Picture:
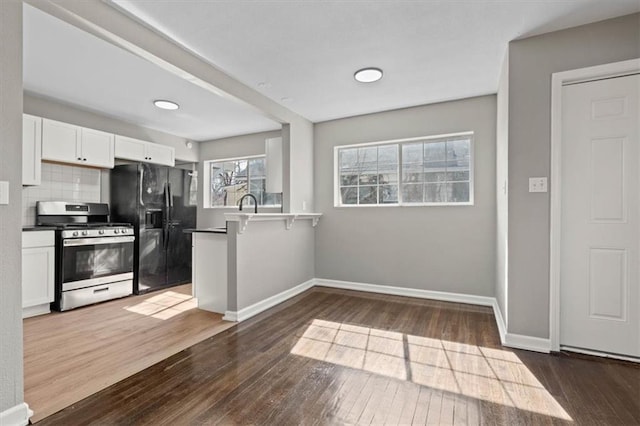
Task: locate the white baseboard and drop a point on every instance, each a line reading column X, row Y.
column 519, row 341
column 408, row 292
column 502, row 326
column 32, row 311
column 16, row 416
column 265, row 304
column 507, row 339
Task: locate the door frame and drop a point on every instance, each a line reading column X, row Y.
column 559, row 79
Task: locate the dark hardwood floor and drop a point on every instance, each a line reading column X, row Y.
column 341, row 357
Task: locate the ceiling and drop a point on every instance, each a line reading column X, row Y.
column 300, row 53
column 67, row 64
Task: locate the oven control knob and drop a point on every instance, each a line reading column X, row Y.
column 84, row 232
column 75, row 233
column 124, row 231
column 101, row 231
column 116, row 231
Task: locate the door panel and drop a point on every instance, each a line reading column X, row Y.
column 599, row 289
column 97, row 148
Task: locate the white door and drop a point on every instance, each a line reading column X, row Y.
column 599, row 289
column 60, row 141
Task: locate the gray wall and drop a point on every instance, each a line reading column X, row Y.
column 55, row 110
column 531, row 63
column 502, row 195
column 267, row 259
column 238, row 146
column 11, row 380
column 433, row 248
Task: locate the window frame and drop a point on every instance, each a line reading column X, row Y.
column 337, row 199
column 206, row 194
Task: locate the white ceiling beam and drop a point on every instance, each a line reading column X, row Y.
column 109, row 24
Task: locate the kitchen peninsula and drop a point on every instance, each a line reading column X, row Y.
column 257, row 261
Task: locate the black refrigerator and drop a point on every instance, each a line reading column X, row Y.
column 160, row 202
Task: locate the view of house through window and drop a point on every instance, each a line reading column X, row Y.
column 231, row 179
column 429, row 171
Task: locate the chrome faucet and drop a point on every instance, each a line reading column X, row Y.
column 255, row 201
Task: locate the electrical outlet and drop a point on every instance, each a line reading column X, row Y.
column 4, row 192
column 538, row 184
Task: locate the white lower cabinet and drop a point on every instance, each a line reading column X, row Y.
column 38, row 272
column 209, row 271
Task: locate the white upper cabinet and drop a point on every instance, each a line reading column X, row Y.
column 31, row 149
column 68, row 143
column 137, row 150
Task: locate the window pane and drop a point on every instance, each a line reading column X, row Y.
column 349, row 195
column 368, row 195
column 412, row 193
column 434, row 154
column 456, row 176
column 458, row 192
column 412, row 172
column 388, row 194
column 430, row 176
column 368, row 178
column 348, row 179
column 390, row 177
column 272, row 199
column 256, row 168
column 412, row 153
column 435, row 193
column 348, row 158
column 256, row 187
column 388, row 156
column 241, row 168
column 458, row 153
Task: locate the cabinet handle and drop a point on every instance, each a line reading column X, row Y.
column 84, row 159
column 79, row 158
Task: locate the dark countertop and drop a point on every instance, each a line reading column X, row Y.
column 207, row 230
column 38, row 228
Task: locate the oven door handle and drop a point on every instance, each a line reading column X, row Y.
column 97, row 241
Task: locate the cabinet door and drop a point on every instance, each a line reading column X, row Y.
column 130, row 149
column 60, row 142
column 97, row 148
column 161, row 154
column 37, row 276
column 31, row 149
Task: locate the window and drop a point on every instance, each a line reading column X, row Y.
column 421, row 171
column 231, row 179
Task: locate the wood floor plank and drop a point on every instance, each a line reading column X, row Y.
column 71, row 355
column 342, row 357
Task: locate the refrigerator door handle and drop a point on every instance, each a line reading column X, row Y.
column 165, row 219
column 170, row 195
column 141, row 189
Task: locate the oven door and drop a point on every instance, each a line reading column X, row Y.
column 94, row 261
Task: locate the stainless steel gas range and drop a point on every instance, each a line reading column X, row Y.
column 94, row 257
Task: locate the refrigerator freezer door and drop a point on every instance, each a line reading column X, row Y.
column 182, row 216
column 152, row 263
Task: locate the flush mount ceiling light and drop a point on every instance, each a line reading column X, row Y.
column 163, row 104
column 368, row 75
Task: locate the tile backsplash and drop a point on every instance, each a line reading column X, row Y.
column 61, row 183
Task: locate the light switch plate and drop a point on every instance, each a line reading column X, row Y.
column 538, row 184
column 4, row 192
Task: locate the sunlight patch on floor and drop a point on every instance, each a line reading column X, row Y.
column 164, row 305
column 492, row 375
